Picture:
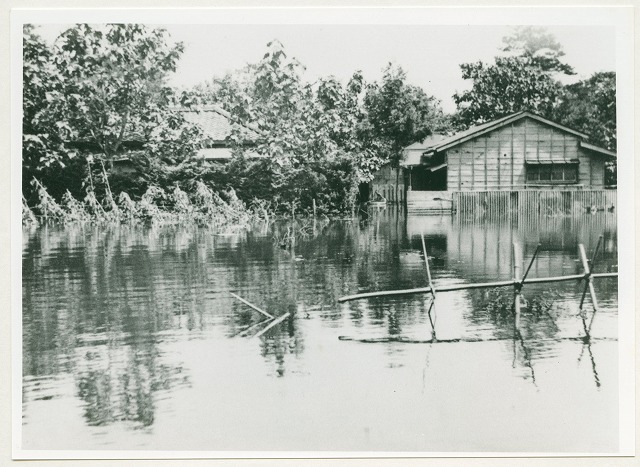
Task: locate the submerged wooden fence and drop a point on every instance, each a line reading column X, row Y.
column 517, row 282
column 534, row 201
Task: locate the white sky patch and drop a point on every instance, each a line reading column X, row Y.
column 430, row 54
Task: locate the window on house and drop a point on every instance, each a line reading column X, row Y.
column 552, row 173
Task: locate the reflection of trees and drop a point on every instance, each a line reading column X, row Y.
column 99, row 301
column 83, row 313
column 122, row 385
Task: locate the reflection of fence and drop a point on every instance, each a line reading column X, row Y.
column 533, row 201
column 517, row 282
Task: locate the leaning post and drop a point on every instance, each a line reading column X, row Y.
column 517, row 282
column 587, row 277
column 432, row 289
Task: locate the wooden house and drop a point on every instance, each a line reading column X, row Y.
column 216, row 125
column 519, row 152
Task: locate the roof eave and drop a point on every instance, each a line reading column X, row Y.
column 598, row 149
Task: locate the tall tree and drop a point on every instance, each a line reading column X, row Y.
column 102, row 87
column 111, row 84
column 310, row 131
column 509, row 85
column 400, row 114
column 590, row 106
column 538, row 45
column 42, row 140
column 526, row 78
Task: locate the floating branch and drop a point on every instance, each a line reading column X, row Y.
column 409, row 340
column 273, row 323
column 270, row 316
column 246, row 330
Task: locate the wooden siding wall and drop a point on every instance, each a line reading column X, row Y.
column 496, row 160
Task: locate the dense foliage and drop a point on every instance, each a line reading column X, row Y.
column 100, row 93
column 509, row 85
column 590, row 105
column 95, row 91
column 319, row 140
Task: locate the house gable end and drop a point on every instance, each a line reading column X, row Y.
column 489, row 127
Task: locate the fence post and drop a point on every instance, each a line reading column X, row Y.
column 587, row 275
column 517, row 284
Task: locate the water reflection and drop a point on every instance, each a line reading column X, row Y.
column 112, row 306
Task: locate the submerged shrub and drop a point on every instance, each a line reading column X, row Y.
column 181, row 203
column 127, row 207
column 28, row 217
column 204, row 206
column 74, row 209
column 48, row 208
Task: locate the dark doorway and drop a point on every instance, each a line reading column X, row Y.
column 424, row 179
column 363, row 192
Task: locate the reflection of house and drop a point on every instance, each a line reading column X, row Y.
column 479, row 250
column 518, row 152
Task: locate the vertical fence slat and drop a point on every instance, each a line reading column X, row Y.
column 528, row 203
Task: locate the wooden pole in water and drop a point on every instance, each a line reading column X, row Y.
column 252, row 305
column 587, row 276
column 482, row 285
column 517, row 283
column 273, row 323
column 433, row 291
column 426, row 263
column 533, row 258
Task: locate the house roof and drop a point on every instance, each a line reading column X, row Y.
column 427, row 143
column 416, row 152
column 599, row 150
column 217, row 124
column 223, row 154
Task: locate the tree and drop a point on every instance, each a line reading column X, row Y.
column 42, row 144
column 510, row 85
column 310, row 132
column 539, row 46
column 111, row 85
column 400, row 114
column 100, row 88
column 524, row 79
column 590, row 106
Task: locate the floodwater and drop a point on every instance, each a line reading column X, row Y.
column 132, row 340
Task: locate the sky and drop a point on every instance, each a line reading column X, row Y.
column 430, row 54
